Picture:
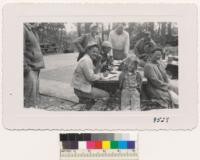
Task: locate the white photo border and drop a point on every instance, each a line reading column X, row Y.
column 14, row 115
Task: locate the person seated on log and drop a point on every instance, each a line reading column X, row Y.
column 84, row 76
column 105, row 60
column 158, row 86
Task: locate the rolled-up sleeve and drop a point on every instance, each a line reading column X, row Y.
column 88, row 71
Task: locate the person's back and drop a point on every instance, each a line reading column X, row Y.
column 32, row 52
column 33, row 62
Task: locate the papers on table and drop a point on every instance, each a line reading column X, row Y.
column 113, row 76
column 117, row 62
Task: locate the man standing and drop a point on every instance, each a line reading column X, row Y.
column 119, row 39
column 82, row 41
column 144, row 46
column 33, row 62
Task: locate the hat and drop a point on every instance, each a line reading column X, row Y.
column 106, row 44
column 91, row 44
column 93, row 25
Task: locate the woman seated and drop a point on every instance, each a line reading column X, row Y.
column 158, row 85
column 84, row 75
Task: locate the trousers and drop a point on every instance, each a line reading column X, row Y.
column 130, row 100
column 31, row 89
column 94, row 94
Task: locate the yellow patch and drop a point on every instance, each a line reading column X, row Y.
column 106, row 145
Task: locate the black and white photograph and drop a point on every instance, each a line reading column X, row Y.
column 98, row 66
column 91, row 64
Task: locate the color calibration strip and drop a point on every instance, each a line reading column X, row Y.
column 99, row 146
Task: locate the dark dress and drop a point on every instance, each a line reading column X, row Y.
column 157, row 84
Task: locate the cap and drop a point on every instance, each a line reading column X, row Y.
column 106, row 44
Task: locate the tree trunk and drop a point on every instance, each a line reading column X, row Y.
column 79, row 29
column 87, row 27
column 169, row 29
column 102, row 32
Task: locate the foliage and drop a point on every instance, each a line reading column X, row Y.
column 162, row 33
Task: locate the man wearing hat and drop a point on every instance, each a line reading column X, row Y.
column 144, row 46
column 120, row 41
column 84, row 76
column 106, row 57
column 82, row 41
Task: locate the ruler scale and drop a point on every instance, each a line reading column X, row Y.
column 95, row 146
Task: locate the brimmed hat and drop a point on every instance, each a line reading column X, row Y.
column 106, row 44
column 91, row 44
column 93, row 25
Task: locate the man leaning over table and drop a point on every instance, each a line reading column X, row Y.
column 84, row 76
column 120, row 41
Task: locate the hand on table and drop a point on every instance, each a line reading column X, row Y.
column 105, row 74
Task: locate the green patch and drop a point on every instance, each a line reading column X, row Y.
column 114, row 145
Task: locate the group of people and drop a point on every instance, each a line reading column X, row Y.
column 95, row 58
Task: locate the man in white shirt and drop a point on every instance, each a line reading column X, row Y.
column 120, row 41
column 84, row 76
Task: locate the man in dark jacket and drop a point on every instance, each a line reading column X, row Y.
column 33, row 62
column 82, row 41
column 144, row 46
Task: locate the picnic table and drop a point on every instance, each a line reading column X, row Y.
column 111, row 82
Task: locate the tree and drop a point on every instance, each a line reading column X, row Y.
column 79, row 29
column 87, row 27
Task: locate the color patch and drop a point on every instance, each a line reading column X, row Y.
column 114, row 144
column 72, row 137
column 66, row 144
column 82, row 145
column 122, row 145
column 70, row 144
column 117, row 137
column 74, row 144
column 98, row 145
column 105, row 144
column 131, row 144
column 87, row 137
column 90, row 145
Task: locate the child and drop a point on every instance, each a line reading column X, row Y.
column 130, row 84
